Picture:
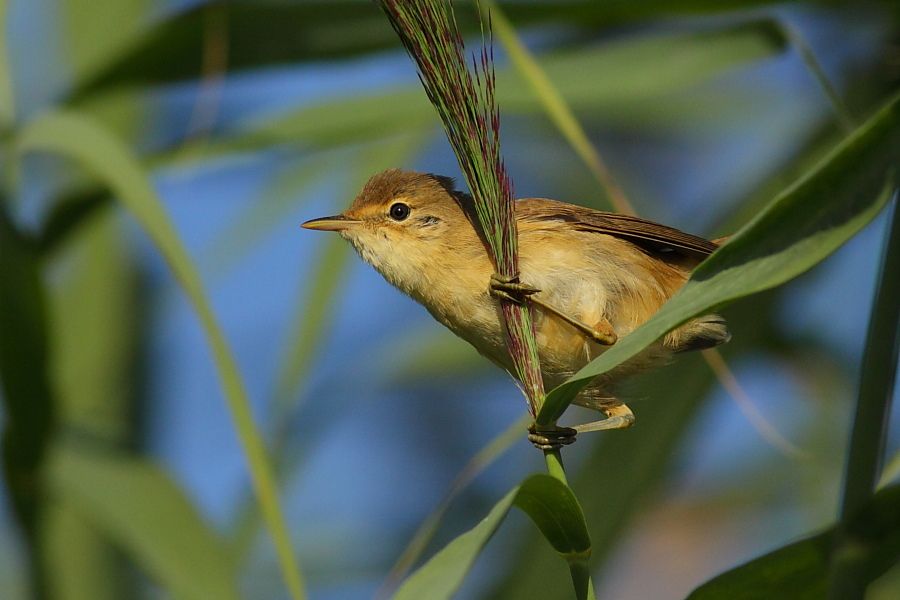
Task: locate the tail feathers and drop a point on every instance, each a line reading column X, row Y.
column 701, row 334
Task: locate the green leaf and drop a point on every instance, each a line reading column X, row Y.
column 29, row 405
column 550, row 504
column 140, row 508
column 7, row 106
column 799, row 229
column 628, row 77
column 71, row 135
column 800, row 570
column 86, row 38
column 94, row 295
column 484, row 458
column 173, row 50
column 873, row 409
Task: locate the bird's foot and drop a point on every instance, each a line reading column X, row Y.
column 510, row 289
column 551, row 438
column 618, row 416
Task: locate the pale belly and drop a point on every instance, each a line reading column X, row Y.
column 563, row 349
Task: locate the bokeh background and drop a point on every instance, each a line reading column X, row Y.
column 251, row 117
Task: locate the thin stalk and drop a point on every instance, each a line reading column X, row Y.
column 870, row 424
column 578, row 566
column 556, row 107
column 424, row 534
column 840, row 109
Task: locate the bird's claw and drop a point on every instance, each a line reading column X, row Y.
column 510, row 289
column 549, row 439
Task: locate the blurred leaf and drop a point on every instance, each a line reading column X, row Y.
column 872, row 415
column 799, row 229
column 427, row 353
column 800, row 570
column 88, row 40
column 75, row 137
column 95, row 313
column 80, row 562
column 550, row 504
column 484, row 458
column 28, row 403
column 7, row 107
column 68, row 214
column 631, row 79
column 139, row 507
column 314, row 315
column 279, row 200
column 258, row 34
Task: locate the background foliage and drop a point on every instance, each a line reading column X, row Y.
column 220, row 126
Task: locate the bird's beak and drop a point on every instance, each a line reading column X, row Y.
column 335, row 223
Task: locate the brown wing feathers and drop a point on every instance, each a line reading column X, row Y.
column 645, row 234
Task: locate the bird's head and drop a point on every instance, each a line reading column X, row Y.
column 403, row 222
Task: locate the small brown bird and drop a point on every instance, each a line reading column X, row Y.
column 590, row 276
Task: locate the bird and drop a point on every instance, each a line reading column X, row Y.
column 590, row 278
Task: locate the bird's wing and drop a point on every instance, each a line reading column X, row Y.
column 650, row 236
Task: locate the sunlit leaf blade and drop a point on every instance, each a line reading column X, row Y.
column 141, row 509
column 800, row 570
column 547, row 501
column 800, row 228
column 70, row 135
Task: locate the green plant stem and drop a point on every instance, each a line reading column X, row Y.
column 870, row 423
column 555, row 465
column 578, row 566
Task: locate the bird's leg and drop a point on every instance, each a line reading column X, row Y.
column 602, row 333
column 509, row 288
column 618, row 416
column 550, row 438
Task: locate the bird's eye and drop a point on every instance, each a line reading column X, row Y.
column 399, row 211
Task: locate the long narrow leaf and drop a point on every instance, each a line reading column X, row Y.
column 627, row 76
column 552, row 507
column 873, row 410
column 799, row 229
column 324, row 29
column 799, row 571
column 75, row 137
column 7, row 108
column 429, row 527
column 141, row 509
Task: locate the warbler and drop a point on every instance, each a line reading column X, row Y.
column 589, row 276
